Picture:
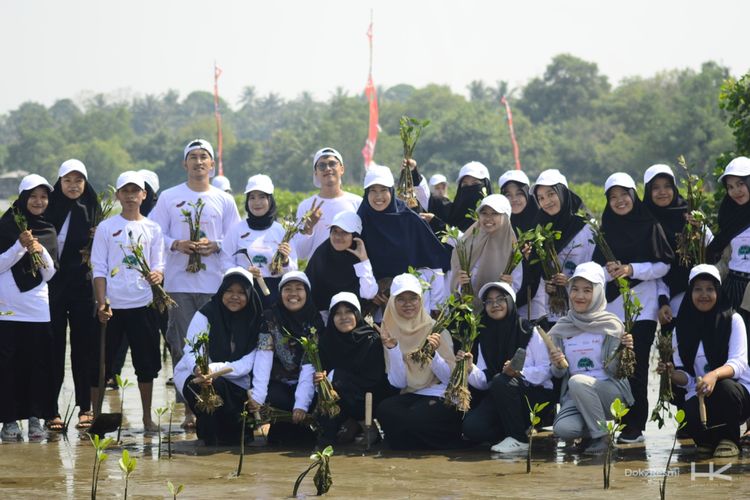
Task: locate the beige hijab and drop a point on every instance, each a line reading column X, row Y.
column 596, row 319
column 489, row 256
column 410, row 333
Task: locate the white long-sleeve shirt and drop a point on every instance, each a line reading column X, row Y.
column 31, row 305
column 258, row 362
column 112, row 254
column 398, row 379
column 650, row 273
column 368, row 287
column 261, row 245
column 736, row 357
column 329, row 209
column 219, row 216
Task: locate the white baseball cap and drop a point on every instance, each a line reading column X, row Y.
column 474, row 169
column 321, row 153
column 405, row 283
column 198, row 144
column 239, row 271
column 704, row 269
column 590, row 271
column 294, row 276
column 348, row 221
column 31, row 181
column 496, row 202
column 658, row 169
column 551, row 177
column 515, row 176
column 620, row 179
column 437, row 179
column 222, row 183
column 347, row 297
column 72, row 165
column 379, row 174
column 739, row 167
column 498, row 284
column 130, row 177
column 259, row 182
column 151, row 179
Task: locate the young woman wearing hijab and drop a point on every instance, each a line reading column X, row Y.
column 643, row 257
column 290, row 387
column 491, row 240
column 352, row 357
column 152, row 191
column 341, row 264
column 473, row 184
column 397, row 238
column 233, row 319
column 588, row 338
column 73, row 209
column 417, row 418
column 502, row 415
column 253, row 242
column 710, row 343
column 515, row 185
column 560, row 207
column 25, row 347
column 439, row 205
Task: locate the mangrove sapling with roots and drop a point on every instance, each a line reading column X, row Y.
column 543, row 241
column 457, row 391
column 127, row 466
column 534, row 419
column 37, row 262
column 632, row 308
column 323, row 478
column 123, row 384
column 680, row 420
column 193, row 220
column 448, row 313
column 99, row 446
column 243, row 415
column 618, row 410
column 136, row 260
column 410, row 129
column 691, row 243
column 291, row 226
column 207, row 401
column 663, row 405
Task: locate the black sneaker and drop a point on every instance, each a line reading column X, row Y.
column 629, row 436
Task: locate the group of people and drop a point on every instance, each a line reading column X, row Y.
column 376, row 273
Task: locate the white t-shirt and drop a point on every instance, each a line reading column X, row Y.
column 584, row 354
column 740, row 257
column 331, row 206
column 112, row 255
column 31, row 305
column 219, row 216
column 579, row 249
column 260, row 244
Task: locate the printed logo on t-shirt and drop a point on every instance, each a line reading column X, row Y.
column 744, row 251
column 117, row 233
column 130, row 261
column 585, row 364
column 260, row 260
column 245, row 235
column 569, row 266
column 180, row 204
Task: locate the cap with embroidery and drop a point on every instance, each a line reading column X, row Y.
column 198, row 144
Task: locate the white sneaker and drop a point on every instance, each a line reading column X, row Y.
column 510, row 445
column 36, row 431
column 11, row 432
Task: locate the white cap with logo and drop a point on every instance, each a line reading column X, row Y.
column 72, row 165
column 33, row 180
column 130, row 177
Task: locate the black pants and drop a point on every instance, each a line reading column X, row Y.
column 223, row 427
column 729, row 405
column 412, row 422
column 25, row 352
column 139, row 326
column 643, row 337
column 504, row 412
column 281, row 396
column 122, row 351
column 78, row 312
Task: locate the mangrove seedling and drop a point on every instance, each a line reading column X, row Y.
column 193, row 220
column 457, row 391
column 534, row 418
column 127, row 466
column 175, row 490
column 242, row 439
column 169, row 431
column 123, row 384
column 680, row 420
column 159, row 412
column 618, row 409
column 99, row 446
column 665, row 350
column 322, row 479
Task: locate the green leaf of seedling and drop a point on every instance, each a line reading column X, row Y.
column 328, row 451
column 536, row 420
column 114, row 272
column 540, row 406
column 679, row 416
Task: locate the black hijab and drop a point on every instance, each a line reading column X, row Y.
column 264, row 221
column 397, row 238
column 672, row 220
column 499, row 339
column 733, row 219
column 40, row 228
column 359, row 352
column 83, row 212
column 566, row 220
column 523, row 222
column 440, row 206
column 331, row 272
column 713, row 328
column 634, row 237
column 298, row 324
column 233, row 334
column 526, row 219
column 467, row 198
column 150, row 202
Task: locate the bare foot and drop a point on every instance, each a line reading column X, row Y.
column 149, row 425
column 189, row 423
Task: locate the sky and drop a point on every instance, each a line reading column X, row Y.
column 75, row 49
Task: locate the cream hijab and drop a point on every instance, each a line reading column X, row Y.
column 410, row 333
column 594, row 320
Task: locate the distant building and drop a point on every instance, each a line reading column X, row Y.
column 9, row 186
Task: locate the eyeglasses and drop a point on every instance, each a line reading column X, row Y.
column 323, row 165
column 496, row 302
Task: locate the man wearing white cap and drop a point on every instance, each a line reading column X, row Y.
column 222, row 183
column 328, row 169
column 191, row 290
column 123, row 296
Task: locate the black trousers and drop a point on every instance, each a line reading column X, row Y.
column 78, row 312
column 412, row 422
column 504, row 412
column 727, row 407
column 643, row 337
column 139, row 325
column 122, row 351
column 281, row 396
column 25, row 352
column 223, row 427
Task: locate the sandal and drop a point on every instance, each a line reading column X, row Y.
column 745, row 440
column 85, row 418
column 726, row 448
column 54, row 424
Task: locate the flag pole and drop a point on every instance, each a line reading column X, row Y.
column 368, row 152
column 217, row 114
column 509, row 115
